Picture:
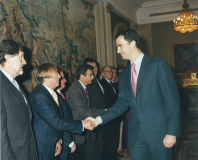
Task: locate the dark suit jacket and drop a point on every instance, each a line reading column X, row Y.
column 80, row 105
column 111, row 95
column 98, row 99
column 48, row 122
column 17, row 139
column 156, row 106
column 68, row 137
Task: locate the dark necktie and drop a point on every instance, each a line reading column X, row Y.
column 63, row 96
column 86, row 91
column 111, row 84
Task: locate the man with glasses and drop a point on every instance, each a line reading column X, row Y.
column 78, row 98
column 111, row 129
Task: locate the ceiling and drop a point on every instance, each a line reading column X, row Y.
column 150, row 11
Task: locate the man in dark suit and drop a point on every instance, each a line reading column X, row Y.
column 78, row 98
column 48, row 120
column 148, row 87
column 68, row 138
column 111, row 129
column 98, row 100
column 17, row 139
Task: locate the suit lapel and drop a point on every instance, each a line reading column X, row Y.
column 143, row 71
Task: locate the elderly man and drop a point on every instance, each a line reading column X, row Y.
column 17, row 139
column 48, row 120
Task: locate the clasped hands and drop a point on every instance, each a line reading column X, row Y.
column 90, row 123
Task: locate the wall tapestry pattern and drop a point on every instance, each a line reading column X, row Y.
column 61, row 32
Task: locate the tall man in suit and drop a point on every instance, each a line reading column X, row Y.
column 111, row 130
column 48, row 120
column 78, row 98
column 68, row 141
column 98, row 100
column 17, row 139
column 147, row 85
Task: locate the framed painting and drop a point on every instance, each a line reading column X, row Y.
column 185, row 57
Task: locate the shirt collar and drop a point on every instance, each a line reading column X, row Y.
column 49, row 89
column 138, row 61
column 7, row 75
column 58, row 91
column 107, row 80
column 84, row 87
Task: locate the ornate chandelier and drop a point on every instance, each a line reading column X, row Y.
column 186, row 22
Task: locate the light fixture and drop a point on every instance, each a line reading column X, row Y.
column 186, row 22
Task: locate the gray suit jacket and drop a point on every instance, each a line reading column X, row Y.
column 80, row 105
column 17, row 139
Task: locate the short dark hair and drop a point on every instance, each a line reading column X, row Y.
column 11, row 47
column 129, row 35
column 103, row 68
column 46, row 70
column 82, row 69
column 89, row 60
column 112, row 67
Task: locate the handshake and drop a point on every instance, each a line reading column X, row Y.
column 90, row 123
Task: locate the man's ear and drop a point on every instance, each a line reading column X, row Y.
column 133, row 43
column 103, row 74
column 7, row 57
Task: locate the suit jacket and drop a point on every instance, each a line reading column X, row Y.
column 48, row 122
column 111, row 95
column 156, row 106
column 98, row 99
column 17, row 139
column 68, row 137
column 80, row 105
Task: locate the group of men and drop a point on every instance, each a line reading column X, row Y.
column 146, row 86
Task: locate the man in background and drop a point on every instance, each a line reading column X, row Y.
column 78, row 98
column 17, row 139
column 68, row 141
column 98, row 100
column 111, row 130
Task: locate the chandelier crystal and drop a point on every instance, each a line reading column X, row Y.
column 186, row 22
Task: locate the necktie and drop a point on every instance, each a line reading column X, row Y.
column 63, row 96
column 86, row 91
column 134, row 78
column 111, row 84
column 55, row 97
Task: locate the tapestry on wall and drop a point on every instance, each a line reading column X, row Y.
column 61, row 32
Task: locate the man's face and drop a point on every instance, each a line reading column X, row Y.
column 62, row 81
column 16, row 63
column 95, row 67
column 89, row 77
column 124, row 48
column 107, row 73
column 114, row 74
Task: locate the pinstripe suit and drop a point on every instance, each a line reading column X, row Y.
column 48, row 122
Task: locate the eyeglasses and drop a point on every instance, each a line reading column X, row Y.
column 108, row 71
column 90, row 74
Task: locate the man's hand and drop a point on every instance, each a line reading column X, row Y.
column 169, row 141
column 73, row 148
column 89, row 124
column 95, row 120
column 58, row 148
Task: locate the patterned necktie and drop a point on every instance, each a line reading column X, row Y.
column 134, row 78
column 86, row 91
column 63, row 96
column 55, row 97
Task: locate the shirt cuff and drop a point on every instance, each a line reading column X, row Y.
column 71, row 144
column 99, row 119
column 83, row 126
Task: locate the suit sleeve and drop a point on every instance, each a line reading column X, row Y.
column 120, row 106
column 80, row 110
column 6, row 149
column 42, row 106
column 171, row 98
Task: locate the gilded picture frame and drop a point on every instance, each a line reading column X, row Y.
column 185, row 57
